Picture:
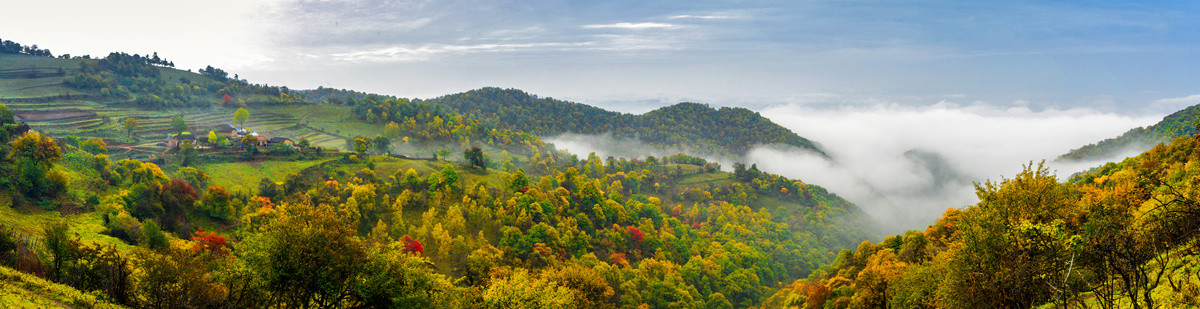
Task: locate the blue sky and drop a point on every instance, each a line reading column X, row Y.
column 633, row 55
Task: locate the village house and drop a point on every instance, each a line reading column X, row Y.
column 177, row 140
column 281, row 140
column 228, row 130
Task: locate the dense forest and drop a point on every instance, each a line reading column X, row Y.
column 1121, row 236
column 1177, row 124
column 684, row 125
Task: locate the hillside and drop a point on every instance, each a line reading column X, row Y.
column 1178, row 124
column 402, row 221
column 684, row 125
column 1123, row 235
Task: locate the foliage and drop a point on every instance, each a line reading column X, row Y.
column 1112, row 237
column 730, row 130
column 1177, row 124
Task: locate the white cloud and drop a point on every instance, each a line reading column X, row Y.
column 634, row 26
column 906, row 165
column 426, row 52
column 686, row 16
column 1169, row 105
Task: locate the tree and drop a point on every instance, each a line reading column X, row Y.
column 519, row 181
column 213, row 138
column 474, row 157
column 227, row 99
column 382, row 144
column 240, row 117
column 309, row 257
column 187, row 154
column 392, row 129
column 131, row 125
column 304, row 143
column 217, row 203
column 178, row 125
column 249, row 143
column 153, row 236
column 39, row 149
column 94, row 146
column 361, row 146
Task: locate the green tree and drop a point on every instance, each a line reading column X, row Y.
column 240, row 117
column 309, row 257
column 474, row 156
column 178, row 125
column 153, row 236
column 519, row 181
column 382, row 144
column 188, row 154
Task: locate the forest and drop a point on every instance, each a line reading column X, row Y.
column 1175, row 125
column 684, row 125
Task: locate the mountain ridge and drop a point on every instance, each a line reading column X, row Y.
column 727, row 129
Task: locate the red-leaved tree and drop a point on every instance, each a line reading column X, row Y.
column 412, row 245
column 634, row 233
column 211, row 242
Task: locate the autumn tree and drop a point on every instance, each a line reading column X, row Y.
column 130, row 125
column 240, row 117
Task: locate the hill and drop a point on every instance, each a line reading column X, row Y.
column 402, row 221
column 1178, row 124
column 684, row 125
column 1123, row 235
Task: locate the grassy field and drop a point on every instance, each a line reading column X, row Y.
column 33, row 222
column 244, row 176
column 21, row 290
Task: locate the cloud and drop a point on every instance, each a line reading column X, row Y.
column 426, row 52
column 633, row 26
column 604, row 145
column 685, row 16
column 1169, row 105
column 906, row 165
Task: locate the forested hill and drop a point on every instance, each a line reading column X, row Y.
column 1175, row 125
column 688, row 125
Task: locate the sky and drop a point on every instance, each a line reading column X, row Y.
column 910, row 96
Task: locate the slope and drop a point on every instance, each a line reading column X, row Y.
column 1177, row 124
column 684, row 125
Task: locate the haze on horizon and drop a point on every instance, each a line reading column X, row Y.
column 984, row 86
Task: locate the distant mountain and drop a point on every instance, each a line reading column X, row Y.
column 1178, row 124
column 692, row 125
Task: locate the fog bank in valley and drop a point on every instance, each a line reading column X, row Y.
column 905, row 165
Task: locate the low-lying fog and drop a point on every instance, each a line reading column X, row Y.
column 906, row 165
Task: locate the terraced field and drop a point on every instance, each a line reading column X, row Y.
column 33, row 88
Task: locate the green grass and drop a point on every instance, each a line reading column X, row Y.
column 244, row 176
column 88, row 226
column 21, row 290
